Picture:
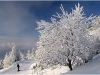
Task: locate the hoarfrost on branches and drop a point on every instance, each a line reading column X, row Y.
column 64, row 40
column 12, row 57
column 30, row 54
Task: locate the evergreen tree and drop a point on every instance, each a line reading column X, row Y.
column 7, row 60
column 1, row 64
column 15, row 55
column 22, row 55
column 11, row 57
column 33, row 53
column 28, row 55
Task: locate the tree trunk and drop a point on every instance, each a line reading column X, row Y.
column 69, row 64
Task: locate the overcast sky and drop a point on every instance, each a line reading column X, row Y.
column 18, row 18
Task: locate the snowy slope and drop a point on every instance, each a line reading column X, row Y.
column 92, row 67
column 24, row 67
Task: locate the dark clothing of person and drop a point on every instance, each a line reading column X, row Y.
column 18, row 67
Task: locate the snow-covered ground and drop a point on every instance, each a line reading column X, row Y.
column 92, row 67
column 24, row 67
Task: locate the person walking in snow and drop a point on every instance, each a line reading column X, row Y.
column 18, row 67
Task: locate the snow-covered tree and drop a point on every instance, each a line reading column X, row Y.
column 22, row 55
column 33, row 53
column 95, row 31
column 96, row 21
column 11, row 57
column 28, row 55
column 18, row 55
column 96, row 46
column 64, row 40
column 1, row 64
column 7, row 60
column 15, row 55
